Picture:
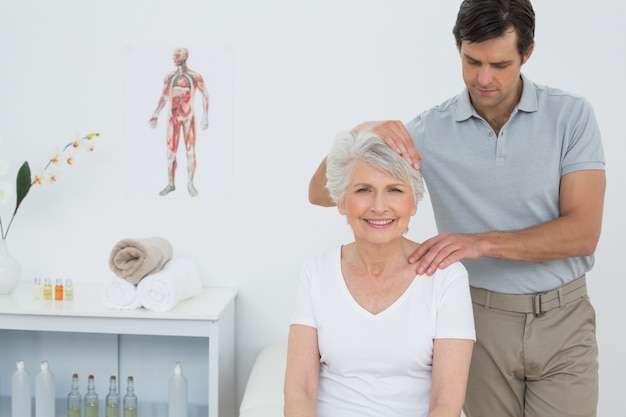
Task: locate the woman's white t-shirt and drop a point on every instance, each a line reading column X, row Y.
column 380, row 364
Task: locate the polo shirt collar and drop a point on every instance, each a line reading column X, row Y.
column 527, row 103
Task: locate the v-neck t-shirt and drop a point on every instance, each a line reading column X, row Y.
column 379, row 364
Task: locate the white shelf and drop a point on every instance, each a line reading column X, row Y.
column 209, row 315
column 144, row 409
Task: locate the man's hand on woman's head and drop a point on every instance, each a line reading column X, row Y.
column 394, row 133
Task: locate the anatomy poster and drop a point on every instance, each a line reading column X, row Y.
column 178, row 121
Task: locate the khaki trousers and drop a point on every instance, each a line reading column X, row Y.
column 528, row 366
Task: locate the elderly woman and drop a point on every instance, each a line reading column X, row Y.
column 369, row 337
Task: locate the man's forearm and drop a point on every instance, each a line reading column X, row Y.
column 558, row 239
column 574, row 233
column 318, row 194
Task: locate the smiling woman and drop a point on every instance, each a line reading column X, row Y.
column 368, row 148
column 357, row 300
column 375, row 201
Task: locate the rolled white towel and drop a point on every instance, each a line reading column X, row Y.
column 120, row 294
column 177, row 281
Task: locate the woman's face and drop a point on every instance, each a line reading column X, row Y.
column 377, row 205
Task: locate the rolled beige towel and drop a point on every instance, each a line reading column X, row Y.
column 133, row 259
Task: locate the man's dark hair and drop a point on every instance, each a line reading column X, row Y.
column 481, row 20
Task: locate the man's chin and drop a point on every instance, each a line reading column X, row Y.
column 484, row 100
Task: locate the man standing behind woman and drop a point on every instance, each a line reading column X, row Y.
column 369, row 337
column 516, row 177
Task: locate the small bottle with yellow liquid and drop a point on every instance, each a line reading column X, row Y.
column 69, row 290
column 91, row 398
column 130, row 399
column 37, row 289
column 47, row 290
column 74, row 399
column 112, row 400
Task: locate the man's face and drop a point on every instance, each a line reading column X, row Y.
column 491, row 72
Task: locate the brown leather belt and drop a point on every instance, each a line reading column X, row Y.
column 537, row 303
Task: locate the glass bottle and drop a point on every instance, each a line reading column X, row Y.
column 69, row 290
column 47, row 290
column 45, row 399
column 91, row 398
column 130, row 399
column 58, row 290
column 38, row 289
column 112, row 400
column 20, row 392
column 74, row 399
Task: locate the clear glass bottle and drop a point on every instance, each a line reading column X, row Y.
column 37, row 289
column 74, row 399
column 177, row 404
column 45, row 399
column 47, row 290
column 20, row 392
column 69, row 290
column 112, row 400
column 91, row 398
column 130, row 399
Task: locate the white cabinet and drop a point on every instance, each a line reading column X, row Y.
column 139, row 342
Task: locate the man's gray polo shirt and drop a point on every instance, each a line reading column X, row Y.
column 479, row 181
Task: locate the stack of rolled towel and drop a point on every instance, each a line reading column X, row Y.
column 147, row 276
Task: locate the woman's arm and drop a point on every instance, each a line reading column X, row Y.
column 451, row 361
column 303, row 371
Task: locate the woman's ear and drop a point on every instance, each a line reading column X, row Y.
column 341, row 207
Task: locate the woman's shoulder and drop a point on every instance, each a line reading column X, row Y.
column 329, row 257
column 453, row 272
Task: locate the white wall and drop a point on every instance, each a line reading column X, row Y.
column 302, row 72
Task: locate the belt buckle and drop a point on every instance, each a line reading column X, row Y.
column 537, row 310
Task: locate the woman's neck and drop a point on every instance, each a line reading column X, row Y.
column 376, row 259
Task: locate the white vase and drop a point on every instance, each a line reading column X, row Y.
column 10, row 270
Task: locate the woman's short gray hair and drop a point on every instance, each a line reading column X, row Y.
column 367, row 147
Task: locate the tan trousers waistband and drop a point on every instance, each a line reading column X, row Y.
column 537, row 303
